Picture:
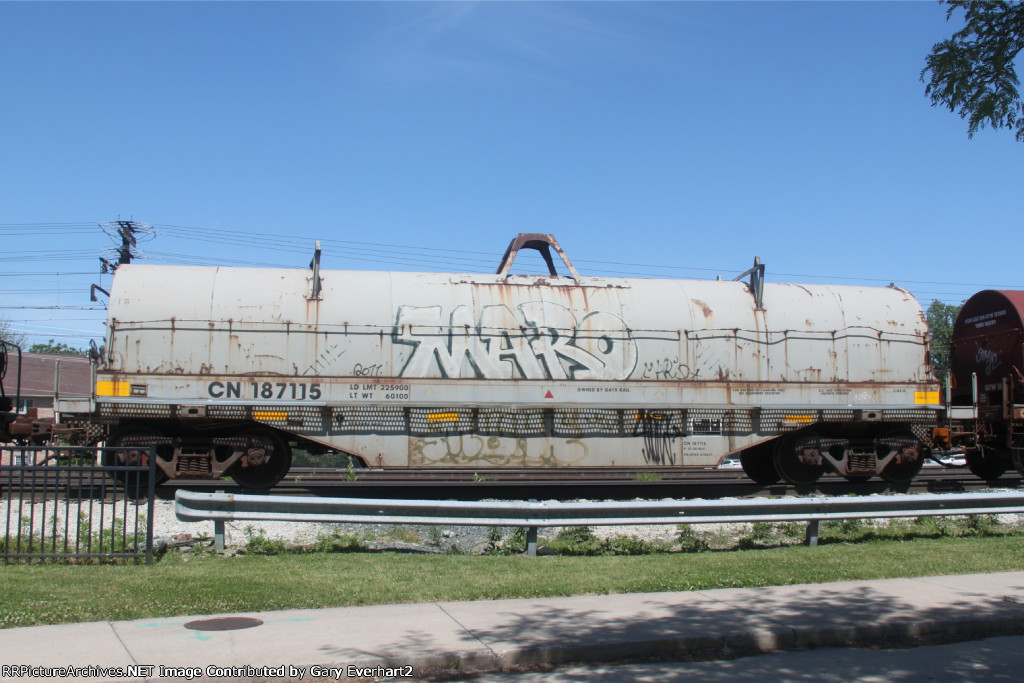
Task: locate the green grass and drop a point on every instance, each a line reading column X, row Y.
column 202, row 583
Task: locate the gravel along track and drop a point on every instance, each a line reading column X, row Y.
column 166, row 526
column 407, row 538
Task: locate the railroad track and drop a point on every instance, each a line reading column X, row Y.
column 599, row 483
column 524, row 484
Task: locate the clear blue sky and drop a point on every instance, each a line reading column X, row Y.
column 667, row 139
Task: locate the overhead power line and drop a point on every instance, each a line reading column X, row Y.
column 408, row 254
column 54, row 308
column 128, row 235
column 37, row 273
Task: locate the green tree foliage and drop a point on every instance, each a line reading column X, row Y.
column 56, row 347
column 972, row 73
column 940, row 321
column 8, row 334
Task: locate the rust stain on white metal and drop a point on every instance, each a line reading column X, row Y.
column 517, row 329
column 704, row 308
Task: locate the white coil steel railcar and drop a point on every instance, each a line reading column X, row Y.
column 224, row 367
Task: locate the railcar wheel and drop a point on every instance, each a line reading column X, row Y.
column 986, row 463
column 138, row 441
column 792, row 462
column 759, row 465
column 266, row 461
column 900, row 471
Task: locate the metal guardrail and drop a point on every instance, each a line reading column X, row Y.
column 221, row 507
column 58, row 504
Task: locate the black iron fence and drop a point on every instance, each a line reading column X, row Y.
column 68, row 504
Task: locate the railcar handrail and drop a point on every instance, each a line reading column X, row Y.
column 221, row 507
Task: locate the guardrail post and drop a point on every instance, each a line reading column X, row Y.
column 811, row 537
column 150, row 502
column 531, row 541
column 218, row 533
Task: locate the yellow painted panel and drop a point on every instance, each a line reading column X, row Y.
column 104, row 388
column 926, row 397
column 270, row 415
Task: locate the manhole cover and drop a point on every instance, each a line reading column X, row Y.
column 223, row 624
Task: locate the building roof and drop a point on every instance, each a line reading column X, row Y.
column 37, row 375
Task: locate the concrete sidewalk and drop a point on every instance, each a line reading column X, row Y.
column 393, row 642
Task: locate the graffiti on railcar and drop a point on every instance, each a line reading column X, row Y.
column 496, row 451
column 669, row 368
column 987, row 358
column 536, row 340
column 325, row 359
column 660, row 436
column 703, row 365
column 368, row 370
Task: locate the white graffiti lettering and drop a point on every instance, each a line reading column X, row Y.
column 538, row 340
column 988, row 358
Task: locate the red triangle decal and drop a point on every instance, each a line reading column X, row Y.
column 548, row 395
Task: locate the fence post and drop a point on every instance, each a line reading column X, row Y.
column 811, row 537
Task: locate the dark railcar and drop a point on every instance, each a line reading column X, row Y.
column 987, row 384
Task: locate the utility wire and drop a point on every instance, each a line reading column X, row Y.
column 407, row 256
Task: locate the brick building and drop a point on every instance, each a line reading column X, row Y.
column 38, row 374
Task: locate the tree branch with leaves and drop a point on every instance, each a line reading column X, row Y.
column 59, row 348
column 973, row 73
column 941, row 318
column 9, row 334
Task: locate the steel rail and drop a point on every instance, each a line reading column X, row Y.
column 706, row 484
column 588, row 477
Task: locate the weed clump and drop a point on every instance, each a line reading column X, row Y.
column 336, row 542
column 690, row 541
column 257, row 542
column 966, row 526
column 581, row 540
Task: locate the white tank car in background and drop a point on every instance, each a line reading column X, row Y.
column 224, row 367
